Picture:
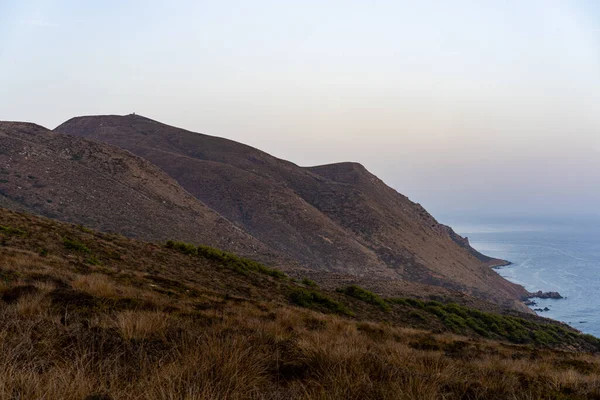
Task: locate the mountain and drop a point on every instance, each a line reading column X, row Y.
column 109, row 189
column 336, row 218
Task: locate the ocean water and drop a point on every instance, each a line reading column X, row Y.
column 562, row 256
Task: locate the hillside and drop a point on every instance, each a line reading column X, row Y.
column 87, row 315
column 106, row 188
column 336, row 218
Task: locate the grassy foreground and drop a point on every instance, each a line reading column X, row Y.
column 85, row 315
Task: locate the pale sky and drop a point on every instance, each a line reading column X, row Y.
column 464, row 106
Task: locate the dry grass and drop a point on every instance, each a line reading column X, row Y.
column 195, row 331
column 271, row 352
column 95, row 284
column 141, row 325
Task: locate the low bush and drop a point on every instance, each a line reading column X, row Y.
column 229, row 260
column 364, row 295
column 465, row 320
column 9, row 230
column 315, row 300
column 72, row 244
column 309, row 283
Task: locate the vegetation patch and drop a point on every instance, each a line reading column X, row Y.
column 315, row 300
column 72, row 244
column 238, row 264
column 364, row 295
column 309, row 283
column 464, row 320
column 9, row 230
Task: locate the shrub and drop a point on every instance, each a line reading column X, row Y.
column 417, row 315
column 438, row 311
column 416, row 303
column 92, row 260
column 229, row 260
column 400, row 302
column 72, row 244
column 315, row 300
column 364, row 295
column 185, row 248
column 310, row 283
column 9, row 230
column 460, row 319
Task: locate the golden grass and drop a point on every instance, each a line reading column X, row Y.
column 69, row 330
column 253, row 353
column 95, row 284
column 31, row 305
column 142, row 325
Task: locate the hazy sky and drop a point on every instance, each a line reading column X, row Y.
column 464, row 106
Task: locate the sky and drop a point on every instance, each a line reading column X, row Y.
column 467, row 107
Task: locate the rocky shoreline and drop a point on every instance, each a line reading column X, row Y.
column 544, row 295
column 502, row 263
column 527, row 300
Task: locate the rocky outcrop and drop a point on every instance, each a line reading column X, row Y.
column 544, row 295
column 541, row 309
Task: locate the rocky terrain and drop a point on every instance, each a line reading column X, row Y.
column 332, row 218
column 106, row 188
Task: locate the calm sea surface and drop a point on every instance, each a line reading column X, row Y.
column 553, row 256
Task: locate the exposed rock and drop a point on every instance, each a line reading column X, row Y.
column 544, row 295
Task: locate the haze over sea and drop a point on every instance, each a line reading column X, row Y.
column 547, row 254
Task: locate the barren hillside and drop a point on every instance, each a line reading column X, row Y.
column 104, row 187
column 337, row 218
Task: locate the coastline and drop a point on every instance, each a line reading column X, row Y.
column 527, row 299
column 497, row 263
column 551, row 259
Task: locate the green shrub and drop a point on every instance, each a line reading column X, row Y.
column 438, row 311
column 455, row 322
column 72, row 244
column 416, row 303
column 229, row 260
column 456, row 309
column 417, row 315
column 364, row 295
column 315, row 300
column 92, row 260
column 9, row 230
column 309, row 283
column 400, row 302
column 464, row 320
column 434, row 303
column 185, row 248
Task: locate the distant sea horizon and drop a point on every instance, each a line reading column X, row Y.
column 548, row 254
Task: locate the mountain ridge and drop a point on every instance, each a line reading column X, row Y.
column 337, row 217
column 86, row 182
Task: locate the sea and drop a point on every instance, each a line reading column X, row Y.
column 561, row 255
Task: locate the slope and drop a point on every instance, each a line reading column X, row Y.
column 335, row 218
column 106, row 188
column 87, row 315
